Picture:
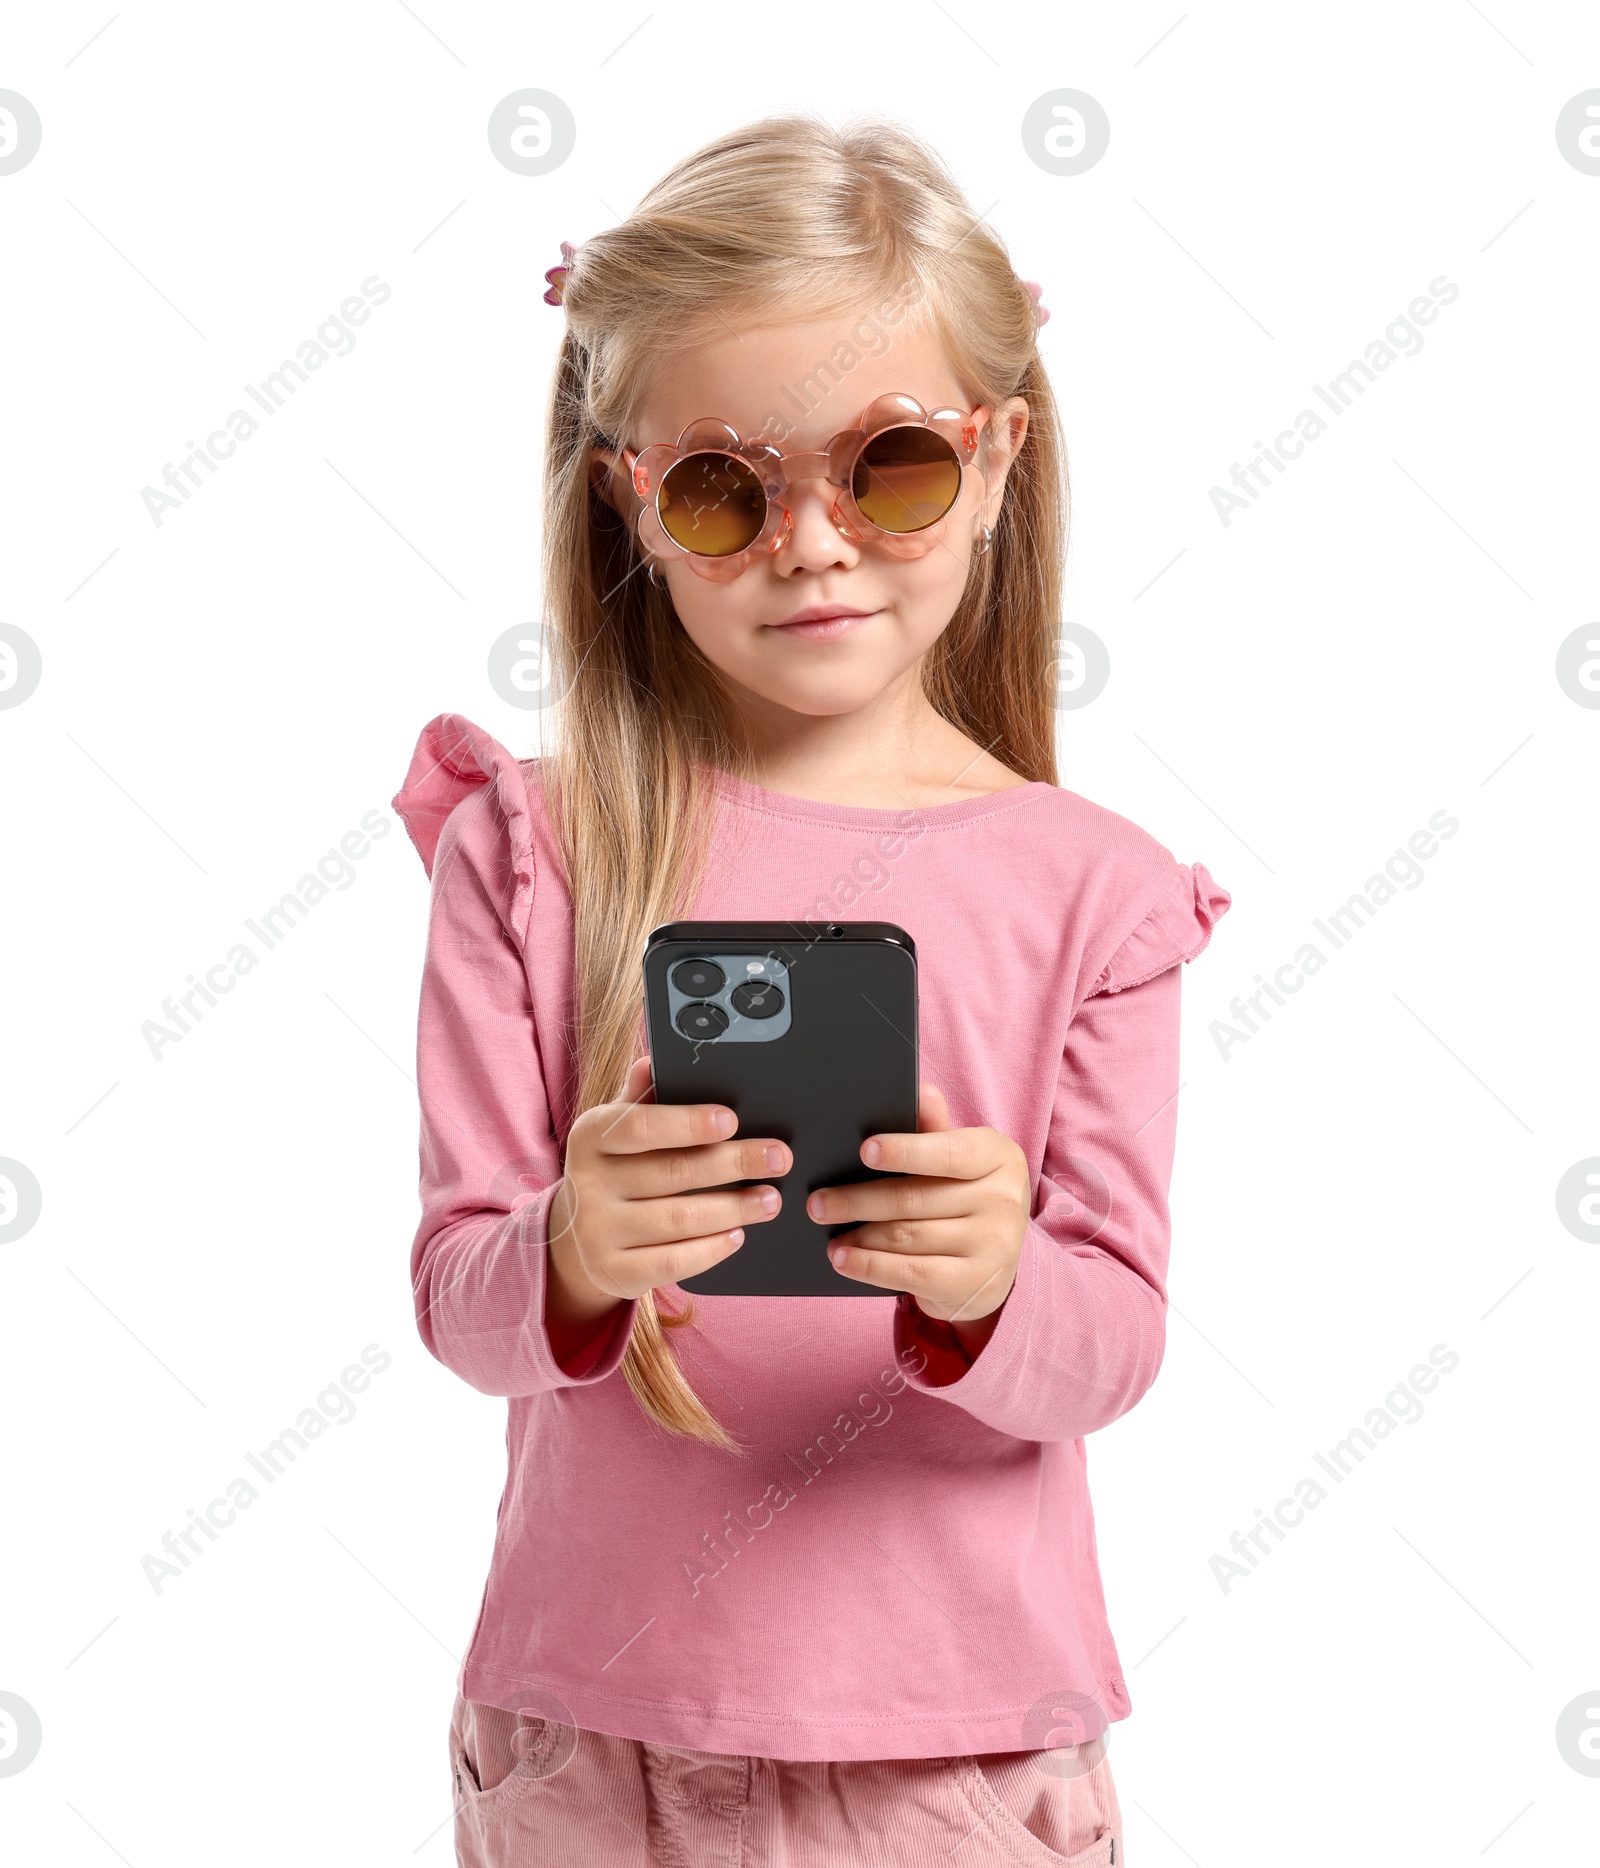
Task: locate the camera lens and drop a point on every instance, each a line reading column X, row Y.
column 702, row 1021
column 698, row 978
column 757, row 998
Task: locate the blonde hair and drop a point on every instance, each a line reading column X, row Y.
column 785, row 216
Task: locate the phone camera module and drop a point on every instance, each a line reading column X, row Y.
column 757, row 998
column 735, row 994
column 698, row 979
column 702, row 1021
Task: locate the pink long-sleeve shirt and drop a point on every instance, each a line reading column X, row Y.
column 903, row 1562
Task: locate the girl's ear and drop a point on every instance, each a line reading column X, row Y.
column 610, row 479
column 1003, row 437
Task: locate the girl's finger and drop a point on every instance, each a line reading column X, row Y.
column 947, row 1153
column 649, row 1267
column 640, row 1087
column 632, row 1128
column 949, row 1242
column 908, row 1196
column 688, row 1170
column 641, row 1224
column 889, row 1271
column 933, row 1112
column 944, row 1284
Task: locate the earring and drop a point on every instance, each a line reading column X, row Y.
column 982, row 539
column 656, row 575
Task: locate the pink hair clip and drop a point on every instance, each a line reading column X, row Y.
column 556, row 277
column 1041, row 314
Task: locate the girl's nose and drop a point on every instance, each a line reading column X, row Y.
column 815, row 542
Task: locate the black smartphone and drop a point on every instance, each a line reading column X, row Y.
column 808, row 1032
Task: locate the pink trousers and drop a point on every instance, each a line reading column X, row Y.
column 529, row 1791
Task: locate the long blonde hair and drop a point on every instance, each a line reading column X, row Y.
column 787, row 216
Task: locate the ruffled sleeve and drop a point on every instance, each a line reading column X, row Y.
column 1175, row 928
column 490, row 1158
column 453, row 759
column 1082, row 1333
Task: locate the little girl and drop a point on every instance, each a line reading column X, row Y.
column 795, row 1580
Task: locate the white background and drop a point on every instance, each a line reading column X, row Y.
column 1292, row 695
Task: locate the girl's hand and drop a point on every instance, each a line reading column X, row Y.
column 629, row 1212
column 950, row 1232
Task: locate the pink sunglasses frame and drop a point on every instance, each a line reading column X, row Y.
column 648, row 467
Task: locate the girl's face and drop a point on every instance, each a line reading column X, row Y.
column 866, row 618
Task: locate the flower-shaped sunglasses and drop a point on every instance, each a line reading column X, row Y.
column 715, row 499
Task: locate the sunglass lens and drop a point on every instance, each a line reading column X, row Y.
column 906, row 479
column 711, row 504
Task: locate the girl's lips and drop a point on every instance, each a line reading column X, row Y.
column 822, row 624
